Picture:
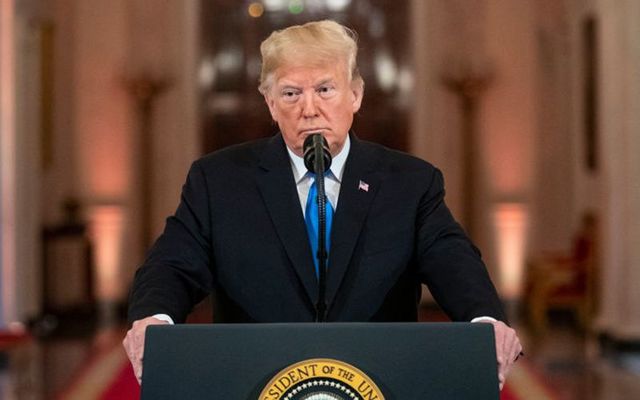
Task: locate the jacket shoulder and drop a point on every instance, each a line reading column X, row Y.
column 396, row 160
column 250, row 149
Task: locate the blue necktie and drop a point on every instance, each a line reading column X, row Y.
column 311, row 219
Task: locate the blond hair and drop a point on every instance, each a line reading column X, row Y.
column 314, row 43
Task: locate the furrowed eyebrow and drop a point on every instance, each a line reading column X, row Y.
column 324, row 82
column 294, row 87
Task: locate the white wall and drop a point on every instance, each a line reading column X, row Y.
column 558, row 140
column 166, row 46
column 60, row 176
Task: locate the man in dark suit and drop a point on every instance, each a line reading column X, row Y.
column 240, row 230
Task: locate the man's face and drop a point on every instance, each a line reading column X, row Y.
column 310, row 99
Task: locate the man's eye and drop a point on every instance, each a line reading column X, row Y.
column 289, row 94
column 325, row 90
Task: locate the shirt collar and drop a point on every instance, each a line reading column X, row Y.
column 337, row 164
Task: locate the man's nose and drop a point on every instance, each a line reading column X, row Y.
column 309, row 107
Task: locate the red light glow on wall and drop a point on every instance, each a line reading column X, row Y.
column 511, row 224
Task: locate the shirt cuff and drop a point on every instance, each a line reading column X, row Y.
column 484, row 319
column 166, row 318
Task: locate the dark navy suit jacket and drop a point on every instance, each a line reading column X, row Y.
column 239, row 232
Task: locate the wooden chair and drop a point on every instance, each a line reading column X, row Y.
column 567, row 282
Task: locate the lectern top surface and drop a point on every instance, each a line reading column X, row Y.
column 254, row 361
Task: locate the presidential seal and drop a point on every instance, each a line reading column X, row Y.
column 321, row 379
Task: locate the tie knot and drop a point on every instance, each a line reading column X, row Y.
column 326, row 174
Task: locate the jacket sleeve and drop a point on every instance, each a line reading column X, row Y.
column 177, row 273
column 449, row 264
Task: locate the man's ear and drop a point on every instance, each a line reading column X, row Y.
column 358, row 92
column 272, row 108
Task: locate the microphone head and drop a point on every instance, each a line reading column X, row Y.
column 315, row 144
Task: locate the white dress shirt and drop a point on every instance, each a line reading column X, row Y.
column 304, row 179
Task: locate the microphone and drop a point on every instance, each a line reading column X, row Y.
column 317, row 159
column 316, row 154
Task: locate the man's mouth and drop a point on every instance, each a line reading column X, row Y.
column 313, row 130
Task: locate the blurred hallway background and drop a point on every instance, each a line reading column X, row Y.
column 531, row 108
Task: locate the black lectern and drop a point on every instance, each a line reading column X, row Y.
column 375, row 361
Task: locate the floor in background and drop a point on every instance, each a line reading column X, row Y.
column 562, row 361
column 112, row 378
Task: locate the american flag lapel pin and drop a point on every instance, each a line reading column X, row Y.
column 364, row 186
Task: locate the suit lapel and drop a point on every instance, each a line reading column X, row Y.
column 278, row 190
column 353, row 207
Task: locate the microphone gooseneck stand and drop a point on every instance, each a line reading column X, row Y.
column 317, row 159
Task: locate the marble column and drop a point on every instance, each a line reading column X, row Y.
column 20, row 91
column 7, row 170
column 619, row 315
